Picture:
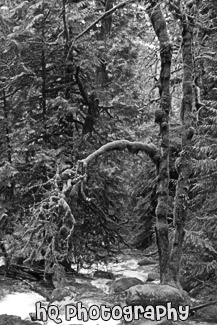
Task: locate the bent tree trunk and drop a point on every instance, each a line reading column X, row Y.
column 162, row 117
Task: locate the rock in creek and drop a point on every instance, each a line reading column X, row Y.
column 15, row 320
column 153, row 276
column 123, row 284
column 104, row 274
column 151, row 294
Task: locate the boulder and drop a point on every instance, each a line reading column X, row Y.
column 104, row 275
column 123, row 284
column 146, row 261
column 163, row 321
column 59, row 294
column 151, row 294
column 166, row 322
column 153, row 276
column 14, row 320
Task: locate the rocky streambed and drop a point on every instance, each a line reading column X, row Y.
column 96, row 287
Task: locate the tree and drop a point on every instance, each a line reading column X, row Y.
column 55, row 111
column 170, row 263
column 83, row 76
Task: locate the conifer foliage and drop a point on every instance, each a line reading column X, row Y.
column 81, row 83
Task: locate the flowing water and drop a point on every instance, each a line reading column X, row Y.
column 23, row 303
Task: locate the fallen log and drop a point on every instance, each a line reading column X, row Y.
column 195, row 308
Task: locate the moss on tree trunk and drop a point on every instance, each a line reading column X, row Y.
column 162, row 118
column 184, row 162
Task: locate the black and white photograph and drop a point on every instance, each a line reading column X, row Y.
column 108, row 162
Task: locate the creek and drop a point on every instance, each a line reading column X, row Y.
column 89, row 290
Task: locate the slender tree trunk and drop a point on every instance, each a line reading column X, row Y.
column 101, row 73
column 184, row 162
column 7, row 130
column 9, row 191
column 107, row 21
column 43, row 88
column 65, row 27
column 162, row 118
column 68, row 55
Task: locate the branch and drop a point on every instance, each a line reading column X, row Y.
column 120, row 5
column 151, row 254
column 195, row 308
column 134, row 147
column 10, row 94
column 175, row 8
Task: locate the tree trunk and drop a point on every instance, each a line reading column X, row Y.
column 7, row 130
column 43, row 86
column 184, row 162
column 162, row 118
column 101, row 73
column 107, row 21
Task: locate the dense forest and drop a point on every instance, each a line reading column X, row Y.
column 108, row 122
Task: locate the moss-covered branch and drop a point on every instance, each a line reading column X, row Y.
column 133, row 147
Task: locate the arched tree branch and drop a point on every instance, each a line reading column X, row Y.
column 133, row 147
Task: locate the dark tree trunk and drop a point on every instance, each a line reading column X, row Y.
column 101, row 73
column 43, row 87
column 162, row 118
column 107, row 21
column 184, row 162
column 7, row 130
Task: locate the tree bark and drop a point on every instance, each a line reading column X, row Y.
column 106, row 24
column 43, row 87
column 7, row 130
column 107, row 21
column 162, row 118
column 184, row 162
